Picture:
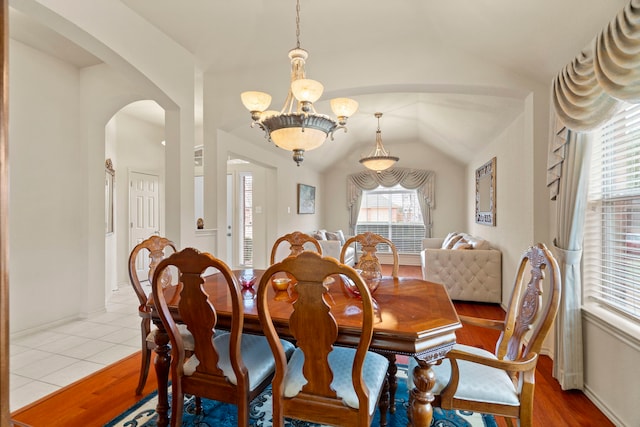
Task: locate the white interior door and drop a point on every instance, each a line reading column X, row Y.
column 143, row 213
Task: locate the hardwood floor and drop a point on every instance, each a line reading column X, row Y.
column 99, row 398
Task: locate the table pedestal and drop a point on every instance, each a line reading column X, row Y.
column 420, row 412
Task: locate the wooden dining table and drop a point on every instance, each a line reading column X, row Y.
column 413, row 317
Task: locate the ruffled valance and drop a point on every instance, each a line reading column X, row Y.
column 409, row 178
column 586, row 93
column 578, row 99
column 591, row 89
column 413, row 179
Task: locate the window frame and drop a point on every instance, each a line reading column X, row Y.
column 375, row 226
column 612, row 211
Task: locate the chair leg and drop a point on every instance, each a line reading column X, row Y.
column 383, row 404
column 393, row 381
column 144, row 368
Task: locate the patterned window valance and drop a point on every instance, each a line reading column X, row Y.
column 414, row 179
column 587, row 91
column 590, row 89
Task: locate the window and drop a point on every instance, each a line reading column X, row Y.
column 612, row 224
column 246, row 219
column 394, row 213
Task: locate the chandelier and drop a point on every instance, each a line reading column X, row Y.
column 297, row 127
column 379, row 159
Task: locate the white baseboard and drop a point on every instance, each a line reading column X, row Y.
column 404, row 259
column 603, row 407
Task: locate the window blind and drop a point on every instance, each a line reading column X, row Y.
column 394, row 213
column 612, row 225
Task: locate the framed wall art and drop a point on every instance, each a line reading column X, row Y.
column 486, row 193
column 306, row 199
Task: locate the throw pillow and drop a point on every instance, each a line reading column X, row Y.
column 462, row 244
column 451, row 241
column 447, row 239
column 341, row 237
column 478, row 243
column 332, row 236
column 319, row 235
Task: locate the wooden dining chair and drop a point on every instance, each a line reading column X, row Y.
column 502, row 383
column 368, row 261
column 370, row 267
column 228, row 367
column 157, row 248
column 322, row 382
column 297, row 241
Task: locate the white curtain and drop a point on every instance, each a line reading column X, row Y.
column 571, row 209
column 586, row 94
column 413, row 179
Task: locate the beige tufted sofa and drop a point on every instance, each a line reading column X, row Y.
column 469, row 268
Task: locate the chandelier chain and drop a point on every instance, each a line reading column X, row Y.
column 298, row 24
column 298, row 127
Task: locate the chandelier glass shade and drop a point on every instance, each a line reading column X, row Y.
column 379, row 159
column 297, row 127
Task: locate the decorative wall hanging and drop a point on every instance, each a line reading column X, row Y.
column 486, row 193
column 306, row 199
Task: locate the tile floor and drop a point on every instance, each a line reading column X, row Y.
column 47, row 360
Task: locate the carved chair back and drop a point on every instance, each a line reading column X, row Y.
column 369, row 262
column 530, row 313
column 158, row 248
column 200, row 373
column 296, row 240
column 316, row 331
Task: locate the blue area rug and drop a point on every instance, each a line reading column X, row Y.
column 217, row 414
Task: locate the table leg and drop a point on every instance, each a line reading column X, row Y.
column 162, row 364
column 420, row 411
column 393, row 381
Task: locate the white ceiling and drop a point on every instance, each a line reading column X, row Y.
column 533, row 39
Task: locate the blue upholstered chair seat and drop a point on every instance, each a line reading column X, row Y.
column 477, row 382
column 187, row 338
column 341, row 362
column 256, row 355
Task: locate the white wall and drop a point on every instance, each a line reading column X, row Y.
column 611, row 359
column 282, row 177
column 47, row 204
column 138, row 149
column 450, row 190
column 111, row 239
column 513, row 232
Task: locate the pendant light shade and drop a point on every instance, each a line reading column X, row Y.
column 379, row 159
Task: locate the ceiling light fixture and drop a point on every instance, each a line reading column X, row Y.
column 379, row 159
column 298, row 127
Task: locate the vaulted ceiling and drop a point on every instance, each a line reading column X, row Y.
column 532, row 40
